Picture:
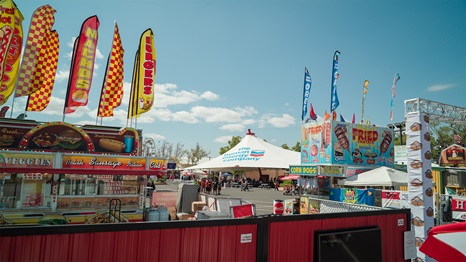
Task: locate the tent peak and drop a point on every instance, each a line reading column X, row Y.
column 250, row 133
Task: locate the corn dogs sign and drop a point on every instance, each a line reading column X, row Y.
column 333, row 142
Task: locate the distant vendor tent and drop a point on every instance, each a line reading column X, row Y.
column 252, row 153
column 382, row 176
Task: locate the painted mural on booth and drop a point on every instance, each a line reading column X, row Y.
column 333, row 142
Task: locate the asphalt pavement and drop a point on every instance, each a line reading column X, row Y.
column 261, row 197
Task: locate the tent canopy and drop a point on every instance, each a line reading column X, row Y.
column 290, row 177
column 382, row 176
column 252, row 153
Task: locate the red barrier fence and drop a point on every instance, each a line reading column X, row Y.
column 275, row 238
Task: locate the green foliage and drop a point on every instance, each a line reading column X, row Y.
column 231, row 143
column 285, row 183
column 297, row 147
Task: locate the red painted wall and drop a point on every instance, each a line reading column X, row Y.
column 278, row 238
column 294, row 240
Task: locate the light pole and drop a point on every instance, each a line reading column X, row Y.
column 400, row 126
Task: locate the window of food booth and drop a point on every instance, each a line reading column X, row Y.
column 10, row 190
column 75, row 185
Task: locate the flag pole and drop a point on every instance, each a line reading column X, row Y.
column 103, row 91
column 133, row 83
column 73, row 60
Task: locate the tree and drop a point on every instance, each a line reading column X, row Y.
column 178, row 153
column 195, row 154
column 231, row 143
column 296, row 147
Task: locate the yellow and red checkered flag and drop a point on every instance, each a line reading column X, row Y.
column 11, row 32
column 47, row 67
column 29, row 80
column 112, row 88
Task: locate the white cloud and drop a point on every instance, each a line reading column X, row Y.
column 211, row 96
column 436, row 88
column 250, row 121
column 154, row 136
column 279, row 121
column 233, row 127
column 223, row 139
column 62, row 75
column 184, row 116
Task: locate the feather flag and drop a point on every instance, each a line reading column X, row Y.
column 142, row 85
column 82, row 65
column 364, row 92
column 392, row 105
column 335, row 75
column 306, row 92
column 48, row 62
column 30, row 78
column 10, row 57
column 334, row 115
column 354, row 119
column 342, row 119
column 112, row 88
column 4, row 110
column 7, row 26
column 312, row 114
column 326, row 116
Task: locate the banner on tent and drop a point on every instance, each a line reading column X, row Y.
column 334, row 142
column 353, row 196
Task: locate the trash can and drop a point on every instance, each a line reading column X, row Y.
column 152, row 214
column 163, row 213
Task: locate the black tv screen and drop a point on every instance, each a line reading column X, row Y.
column 361, row 244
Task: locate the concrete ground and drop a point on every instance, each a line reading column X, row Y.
column 262, row 198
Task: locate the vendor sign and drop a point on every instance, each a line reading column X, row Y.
column 28, row 160
column 303, row 170
column 103, row 162
column 333, row 142
column 453, row 156
column 157, row 164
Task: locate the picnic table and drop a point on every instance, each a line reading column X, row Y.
column 266, row 186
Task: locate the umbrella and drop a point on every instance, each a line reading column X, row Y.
column 446, row 242
column 290, row 177
column 226, row 174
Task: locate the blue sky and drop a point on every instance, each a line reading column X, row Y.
column 227, row 66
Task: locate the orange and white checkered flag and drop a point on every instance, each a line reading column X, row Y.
column 47, row 68
column 29, row 80
column 112, row 88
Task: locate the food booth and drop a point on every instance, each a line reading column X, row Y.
column 333, row 150
column 56, row 172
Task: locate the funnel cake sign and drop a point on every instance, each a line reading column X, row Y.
column 453, row 156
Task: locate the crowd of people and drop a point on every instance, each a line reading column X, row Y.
column 210, row 185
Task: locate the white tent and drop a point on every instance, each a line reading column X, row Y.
column 382, row 176
column 252, row 152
